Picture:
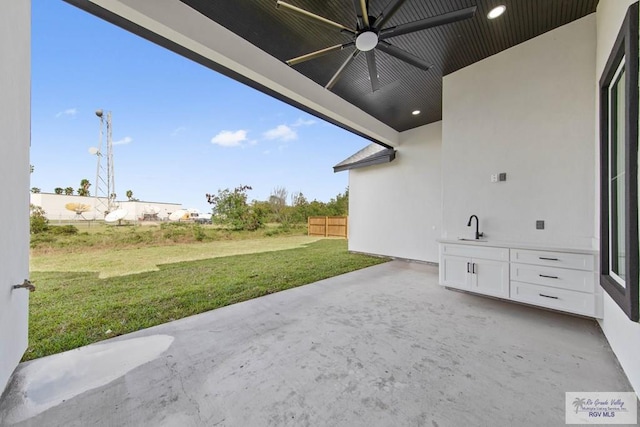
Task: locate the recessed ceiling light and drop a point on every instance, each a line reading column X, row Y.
column 415, row 112
column 496, row 11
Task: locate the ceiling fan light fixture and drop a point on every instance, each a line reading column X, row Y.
column 496, row 11
column 366, row 41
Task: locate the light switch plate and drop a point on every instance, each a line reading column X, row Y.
column 494, row 177
column 540, row 224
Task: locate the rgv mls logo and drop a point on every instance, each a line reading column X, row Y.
column 601, row 408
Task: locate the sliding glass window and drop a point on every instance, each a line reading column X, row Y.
column 619, row 169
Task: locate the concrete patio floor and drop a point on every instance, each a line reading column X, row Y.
column 383, row 346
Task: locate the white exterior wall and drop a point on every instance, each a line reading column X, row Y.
column 623, row 335
column 54, row 207
column 395, row 208
column 527, row 111
column 15, row 134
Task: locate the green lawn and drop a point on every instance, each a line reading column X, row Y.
column 140, row 259
column 75, row 308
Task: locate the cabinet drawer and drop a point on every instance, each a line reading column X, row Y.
column 558, row 299
column 553, row 259
column 481, row 252
column 564, row 278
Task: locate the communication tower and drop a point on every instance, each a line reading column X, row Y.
column 105, row 187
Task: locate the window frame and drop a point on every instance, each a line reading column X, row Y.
column 625, row 49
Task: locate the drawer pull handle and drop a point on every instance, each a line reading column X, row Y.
column 548, row 296
column 548, row 277
column 548, row 259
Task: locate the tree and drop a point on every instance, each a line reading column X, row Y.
column 339, row 206
column 58, row 190
column 300, row 208
column 129, row 195
column 298, row 199
column 278, row 202
column 35, row 190
column 37, row 220
column 68, row 191
column 84, row 188
column 231, row 208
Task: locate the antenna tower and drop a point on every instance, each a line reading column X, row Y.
column 105, row 189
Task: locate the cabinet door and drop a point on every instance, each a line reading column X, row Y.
column 453, row 272
column 490, row 277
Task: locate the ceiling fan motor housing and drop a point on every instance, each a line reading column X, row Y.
column 367, row 40
column 370, row 33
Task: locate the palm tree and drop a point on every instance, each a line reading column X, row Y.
column 129, row 194
column 84, row 188
column 578, row 403
column 58, row 190
column 68, row 191
column 35, row 190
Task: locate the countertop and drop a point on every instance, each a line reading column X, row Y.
column 521, row 245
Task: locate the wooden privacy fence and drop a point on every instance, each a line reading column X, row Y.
column 327, row 226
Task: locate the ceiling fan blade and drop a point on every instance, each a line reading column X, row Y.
column 338, row 73
column 318, row 53
column 388, row 13
column 403, row 55
column 373, row 71
column 434, row 21
column 356, row 7
column 365, row 13
column 313, row 16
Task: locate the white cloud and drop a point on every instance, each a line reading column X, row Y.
column 228, row 138
column 71, row 112
column 177, row 131
column 253, row 142
column 304, row 122
column 123, row 141
column 281, row 133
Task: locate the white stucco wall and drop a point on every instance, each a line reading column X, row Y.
column 395, row 208
column 527, row 111
column 623, row 335
column 15, row 133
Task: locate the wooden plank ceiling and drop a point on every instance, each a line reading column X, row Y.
column 404, row 88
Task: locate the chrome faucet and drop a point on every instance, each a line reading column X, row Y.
column 478, row 234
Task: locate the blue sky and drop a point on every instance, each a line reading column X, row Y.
column 180, row 130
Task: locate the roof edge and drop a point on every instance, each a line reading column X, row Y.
column 384, row 156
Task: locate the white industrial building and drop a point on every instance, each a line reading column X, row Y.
column 56, row 207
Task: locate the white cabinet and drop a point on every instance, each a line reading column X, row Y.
column 483, row 270
column 490, row 277
column 554, row 279
column 559, row 280
column 454, row 272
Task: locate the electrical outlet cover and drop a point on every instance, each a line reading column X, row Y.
column 539, row 225
column 502, row 176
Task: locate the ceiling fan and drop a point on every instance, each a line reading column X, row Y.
column 369, row 34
